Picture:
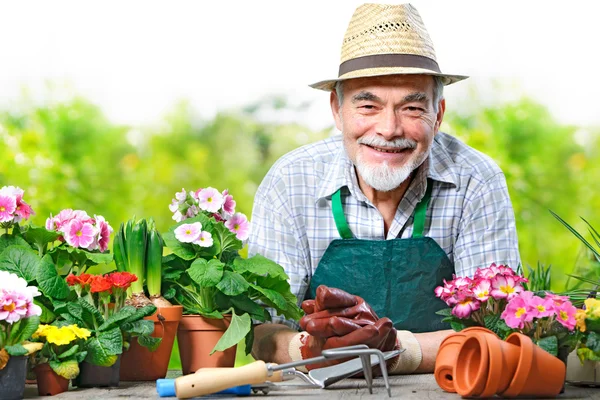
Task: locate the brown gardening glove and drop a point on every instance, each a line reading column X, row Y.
column 338, row 319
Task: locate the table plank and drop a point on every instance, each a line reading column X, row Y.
column 417, row 387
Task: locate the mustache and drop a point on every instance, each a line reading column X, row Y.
column 398, row 143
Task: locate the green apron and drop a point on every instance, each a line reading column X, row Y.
column 396, row 277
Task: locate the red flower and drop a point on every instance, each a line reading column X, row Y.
column 122, row 279
column 83, row 279
column 101, row 284
column 72, row 280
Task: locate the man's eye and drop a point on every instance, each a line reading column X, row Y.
column 368, row 107
column 411, row 108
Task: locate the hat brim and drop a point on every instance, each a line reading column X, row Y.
column 329, row 85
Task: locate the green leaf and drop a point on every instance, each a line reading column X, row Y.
column 16, row 350
column 232, row 284
column 20, row 261
column 117, row 318
column 48, row 314
column 96, row 258
column 578, row 235
column 593, row 342
column 90, row 313
column 550, row 344
column 141, row 312
column 149, row 342
column 244, row 304
column 271, row 297
column 238, row 329
column 23, row 330
column 40, row 236
column 103, row 348
column 206, row 273
column 49, row 282
column 68, row 369
column 445, row 312
column 141, row 327
column 228, row 240
column 11, row 240
column 259, row 265
column 169, row 293
column 81, row 356
column 70, row 352
column 249, row 342
column 457, row 326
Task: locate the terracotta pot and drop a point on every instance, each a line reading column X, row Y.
column 140, row 364
column 91, row 375
column 196, row 337
column 49, row 383
column 485, row 365
column 538, row 374
column 12, row 378
column 447, row 354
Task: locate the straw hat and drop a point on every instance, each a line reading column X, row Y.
column 384, row 39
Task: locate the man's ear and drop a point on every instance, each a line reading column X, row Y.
column 335, row 109
column 440, row 115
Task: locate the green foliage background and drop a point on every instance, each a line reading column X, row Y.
column 68, row 155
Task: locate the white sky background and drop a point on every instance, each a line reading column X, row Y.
column 137, row 58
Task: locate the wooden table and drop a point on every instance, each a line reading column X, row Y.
column 419, row 387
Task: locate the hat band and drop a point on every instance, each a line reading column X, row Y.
column 388, row 60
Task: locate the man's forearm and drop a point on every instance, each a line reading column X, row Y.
column 430, row 343
column 271, row 343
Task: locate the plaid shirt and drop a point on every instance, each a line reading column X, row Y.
column 470, row 214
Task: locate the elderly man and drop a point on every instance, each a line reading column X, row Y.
column 385, row 211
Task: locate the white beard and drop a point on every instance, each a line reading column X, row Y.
column 382, row 177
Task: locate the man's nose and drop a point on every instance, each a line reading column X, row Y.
column 389, row 125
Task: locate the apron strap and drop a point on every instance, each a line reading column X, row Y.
column 338, row 216
column 420, row 211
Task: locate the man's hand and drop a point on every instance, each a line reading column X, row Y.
column 338, row 319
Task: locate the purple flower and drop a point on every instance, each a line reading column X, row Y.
column 239, row 225
column 188, row 233
column 228, row 204
column 80, row 234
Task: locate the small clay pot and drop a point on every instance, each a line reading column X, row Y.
column 197, row 336
column 12, row 378
column 49, row 383
column 447, row 355
column 538, row 374
column 140, row 364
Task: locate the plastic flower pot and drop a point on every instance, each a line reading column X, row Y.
column 485, row 365
column 91, row 375
column 49, row 383
column 538, row 374
column 196, row 337
column 140, row 364
column 447, row 355
column 12, row 378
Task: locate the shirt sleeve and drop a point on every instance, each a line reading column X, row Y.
column 275, row 236
column 487, row 231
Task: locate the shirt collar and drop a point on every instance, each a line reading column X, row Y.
column 440, row 166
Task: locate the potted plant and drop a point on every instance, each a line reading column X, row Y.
column 57, row 362
column 99, row 306
column 19, row 319
column 138, row 249
column 221, row 292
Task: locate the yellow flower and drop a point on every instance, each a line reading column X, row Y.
column 81, row 333
column 60, row 336
column 580, row 316
column 592, row 308
column 41, row 331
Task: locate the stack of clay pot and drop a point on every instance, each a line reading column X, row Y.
column 475, row 362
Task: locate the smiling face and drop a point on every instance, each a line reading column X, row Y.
column 388, row 124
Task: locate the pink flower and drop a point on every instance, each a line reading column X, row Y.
column 239, row 225
column 540, row 308
column 104, row 231
column 8, row 205
column 188, row 233
column 465, row 306
column 482, row 290
column 556, row 299
column 16, row 298
column 178, row 217
column 565, row 314
column 79, row 234
column 210, row 200
column 505, row 287
column 23, row 211
column 204, row 240
column 516, row 313
column 228, row 203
